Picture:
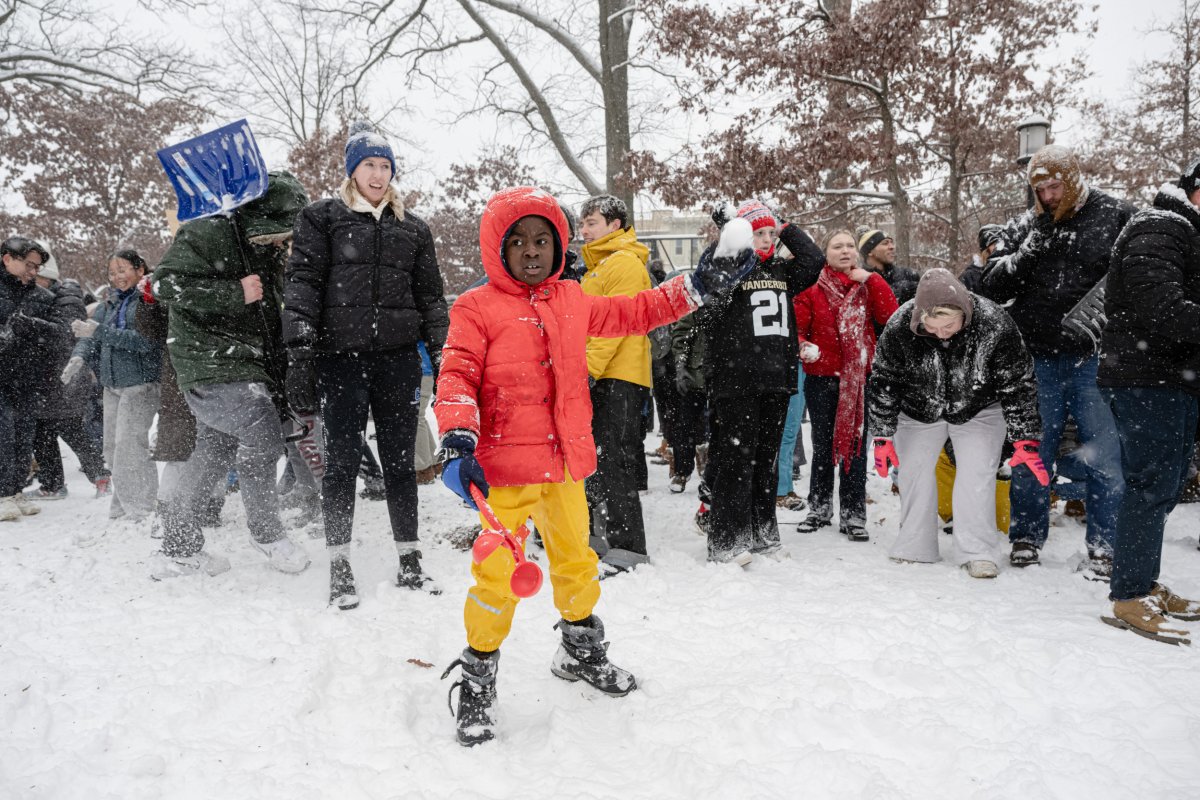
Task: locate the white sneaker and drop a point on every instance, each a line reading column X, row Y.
column 678, row 484
column 741, row 558
column 9, row 510
column 165, row 567
column 981, row 569
column 26, row 506
column 285, row 555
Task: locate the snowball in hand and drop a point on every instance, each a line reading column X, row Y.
column 736, row 236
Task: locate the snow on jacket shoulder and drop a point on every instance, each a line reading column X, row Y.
column 514, row 368
column 928, row 379
column 616, row 265
column 357, row 283
column 1152, row 299
column 817, row 324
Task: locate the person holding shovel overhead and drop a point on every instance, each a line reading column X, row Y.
column 515, row 416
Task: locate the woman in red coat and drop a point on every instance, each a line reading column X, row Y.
column 835, row 320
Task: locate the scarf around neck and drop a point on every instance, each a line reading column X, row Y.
column 848, row 301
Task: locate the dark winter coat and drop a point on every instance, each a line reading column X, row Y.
column 55, row 401
column 751, row 334
column 1152, row 299
column 355, row 283
column 214, row 335
column 929, row 379
column 902, row 281
column 1058, row 264
column 689, row 348
column 120, row 357
column 25, row 346
column 176, row 424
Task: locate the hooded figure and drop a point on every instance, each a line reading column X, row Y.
column 949, row 364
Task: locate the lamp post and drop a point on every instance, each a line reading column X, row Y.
column 1033, row 133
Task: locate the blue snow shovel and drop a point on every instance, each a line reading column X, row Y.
column 215, row 172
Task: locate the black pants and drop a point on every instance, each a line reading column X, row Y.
column 45, row 449
column 821, row 395
column 387, row 385
column 689, row 431
column 612, row 491
column 16, row 435
column 741, row 473
column 666, row 400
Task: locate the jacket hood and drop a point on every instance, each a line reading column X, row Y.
column 502, row 212
column 270, row 217
column 939, row 287
column 624, row 239
column 1171, row 198
column 1055, row 162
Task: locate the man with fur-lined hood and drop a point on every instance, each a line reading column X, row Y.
column 362, row 289
column 1045, row 261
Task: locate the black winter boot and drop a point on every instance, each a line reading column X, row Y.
column 583, row 655
column 342, row 592
column 476, row 696
column 411, row 576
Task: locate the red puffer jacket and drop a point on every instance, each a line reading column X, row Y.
column 816, row 323
column 514, row 369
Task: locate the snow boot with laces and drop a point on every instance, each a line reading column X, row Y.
column 1024, row 554
column 813, row 522
column 1175, row 606
column 476, row 696
column 583, row 655
column 342, row 592
column 1144, row 616
column 412, row 576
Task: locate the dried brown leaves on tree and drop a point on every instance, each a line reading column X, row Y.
column 86, row 168
column 844, row 108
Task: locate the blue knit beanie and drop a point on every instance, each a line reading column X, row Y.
column 364, row 142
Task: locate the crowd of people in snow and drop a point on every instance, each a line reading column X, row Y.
column 279, row 328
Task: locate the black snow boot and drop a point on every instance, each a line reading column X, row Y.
column 476, row 696
column 341, row 583
column 583, row 655
column 411, row 576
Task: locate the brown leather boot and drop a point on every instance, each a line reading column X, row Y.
column 426, row 476
column 1175, row 606
column 1143, row 616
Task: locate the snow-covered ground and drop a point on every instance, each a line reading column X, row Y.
column 834, row 674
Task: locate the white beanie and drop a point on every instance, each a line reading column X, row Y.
column 50, row 268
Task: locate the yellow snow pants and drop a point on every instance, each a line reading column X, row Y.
column 560, row 512
column 945, row 483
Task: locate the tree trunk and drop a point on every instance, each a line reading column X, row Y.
column 616, row 17
column 901, row 207
column 839, row 105
column 954, row 192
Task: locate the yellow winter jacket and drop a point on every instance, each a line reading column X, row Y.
column 616, row 265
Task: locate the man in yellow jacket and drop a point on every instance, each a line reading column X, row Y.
column 620, row 377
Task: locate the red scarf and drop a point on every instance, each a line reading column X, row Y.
column 848, row 301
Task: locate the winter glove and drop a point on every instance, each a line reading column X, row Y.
column 300, row 383
column 1035, row 244
column 809, row 352
column 459, row 467
column 722, row 268
column 722, row 212
column 84, row 328
column 146, row 290
column 1026, row 452
column 71, row 370
column 885, row 456
column 685, row 381
column 26, row 327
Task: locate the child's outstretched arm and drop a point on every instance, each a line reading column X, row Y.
column 456, row 404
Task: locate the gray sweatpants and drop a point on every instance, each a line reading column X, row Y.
column 977, row 445
column 426, row 452
column 128, row 414
column 238, row 422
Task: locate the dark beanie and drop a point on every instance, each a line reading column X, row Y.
column 989, row 235
column 364, row 143
column 870, row 240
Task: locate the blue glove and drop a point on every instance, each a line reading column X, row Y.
column 460, row 468
column 715, row 276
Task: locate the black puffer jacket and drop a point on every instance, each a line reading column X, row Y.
column 1152, row 299
column 1060, row 264
column 25, row 344
column 54, row 401
column 357, row 284
column 903, row 282
column 929, row 379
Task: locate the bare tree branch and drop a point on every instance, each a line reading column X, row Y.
column 554, row 31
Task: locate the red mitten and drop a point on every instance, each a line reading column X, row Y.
column 1027, row 454
column 146, row 290
column 885, row 457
